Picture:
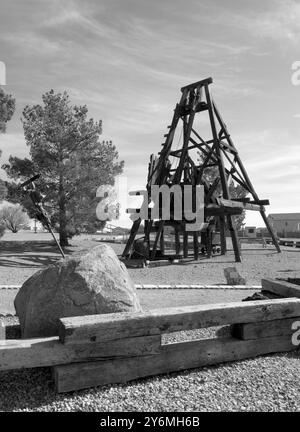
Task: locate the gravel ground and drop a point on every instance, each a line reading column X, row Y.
column 268, row 383
column 157, row 298
column 19, row 260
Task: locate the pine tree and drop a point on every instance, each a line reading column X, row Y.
column 65, row 149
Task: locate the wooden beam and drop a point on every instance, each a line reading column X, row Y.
column 282, row 288
column 226, row 146
column 225, row 188
column 122, row 325
column 259, row 330
column 212, row 191
column 243, row 199
column 215, row 210
column 261, row 202
column 270, row 229
column 41, row 352
column 242, row 205
column 197, row 84
column 133, row 232
column 173, row 357
column 196, row 145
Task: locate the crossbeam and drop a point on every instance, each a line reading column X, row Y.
column 200, row 83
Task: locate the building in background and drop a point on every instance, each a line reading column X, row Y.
column 250, row 231
column 285, row 224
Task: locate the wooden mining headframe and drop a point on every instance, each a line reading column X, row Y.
column 177, row 166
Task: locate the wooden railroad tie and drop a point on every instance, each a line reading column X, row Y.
column 116, row 348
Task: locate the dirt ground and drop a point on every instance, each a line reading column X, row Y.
column 23, row 255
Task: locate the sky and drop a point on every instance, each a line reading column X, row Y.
column 127, row 60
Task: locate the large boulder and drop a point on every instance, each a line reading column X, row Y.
column 93, row 283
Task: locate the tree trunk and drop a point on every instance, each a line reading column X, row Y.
column 63, row 238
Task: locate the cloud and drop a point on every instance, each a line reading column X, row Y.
column 272, row 161
column 65, row 16
column 278, row 22
column 128, row 60
column 32, row 43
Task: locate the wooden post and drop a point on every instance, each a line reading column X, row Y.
column 177, row 241
column 132, row 235
column 209, row 235
column 185, row 244
column 230, row 221
column 223, row 235
column 245, row 175
column 196, row 245
column 162, row 243
column 159, row 231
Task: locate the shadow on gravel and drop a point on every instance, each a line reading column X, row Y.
column 24, row 261
column 29, row 254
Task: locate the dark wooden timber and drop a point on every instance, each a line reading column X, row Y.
column 176, row 164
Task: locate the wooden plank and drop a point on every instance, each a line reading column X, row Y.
column 262, row 202
column 30, row 353
column 242, row 199
column 264, row 329
column 173, row 357
column 238, row 204
column 116, row 326
column 197, row 84
column 285, row 289
column 216, row 210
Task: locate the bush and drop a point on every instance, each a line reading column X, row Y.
column 13, row 217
